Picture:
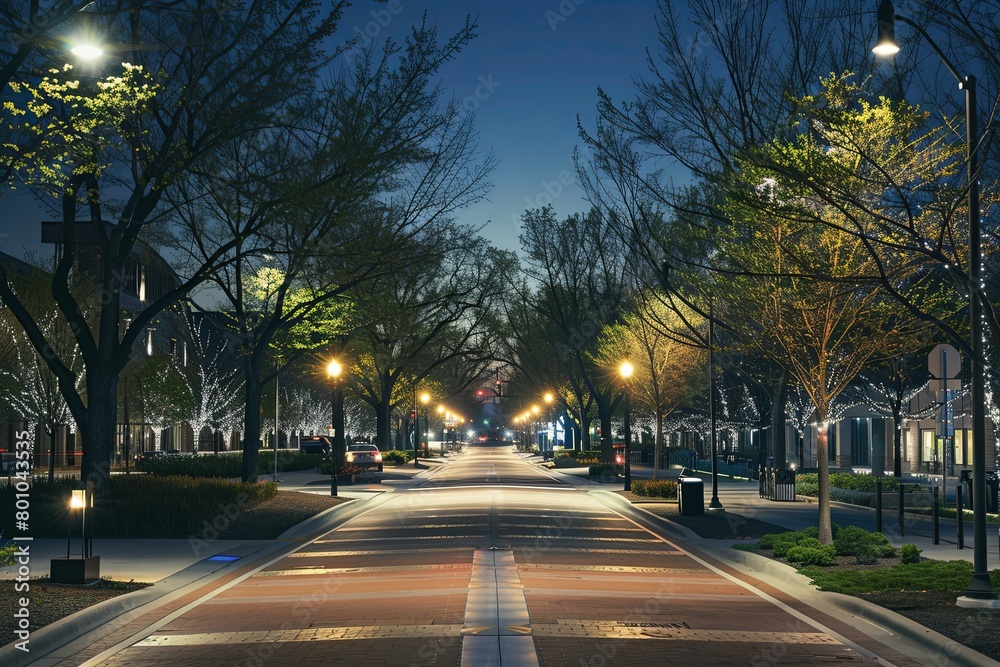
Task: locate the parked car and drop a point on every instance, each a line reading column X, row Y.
column 364, row 456
column 151, row 454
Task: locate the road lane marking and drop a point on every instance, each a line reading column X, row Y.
column 496, row 627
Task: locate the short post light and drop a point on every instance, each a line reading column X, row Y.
column 87, row 567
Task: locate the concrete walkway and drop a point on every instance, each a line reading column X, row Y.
column 742, row 498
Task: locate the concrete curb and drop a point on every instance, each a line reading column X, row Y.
column 642, row 516
column 942, row 651
column 70, row 628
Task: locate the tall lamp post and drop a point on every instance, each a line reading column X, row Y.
column 980, row 592
column 425, row 398
column 549, row 399
column 626, row 371
column 534, row 428
column 333, row 371
column 715, row 504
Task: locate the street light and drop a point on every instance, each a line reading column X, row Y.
column 534, row 428
column 980, row 591
column 87, row 42
column 626, row 371
column 333, row 371
column 425, row 398
column 549, row 398
column 715, row 504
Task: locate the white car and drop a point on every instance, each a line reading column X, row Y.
column 366, row 457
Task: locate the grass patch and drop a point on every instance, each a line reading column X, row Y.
column 929, row 575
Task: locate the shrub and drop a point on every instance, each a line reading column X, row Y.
column 210, row 465
column 654, row 489
column 864, row 545
column 813, row 531
column 138, row 506
column 780, row 543
column 587, row 460
column 909, row 553
column 806, row 489
column 603, row 468
column 813, row 554
column 346, row 469
column 7, row 551
column 396, row 456
column 289, row 461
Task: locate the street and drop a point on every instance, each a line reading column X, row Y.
column 492, row 562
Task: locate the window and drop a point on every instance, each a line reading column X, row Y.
column 927, row 445
column 963, row 446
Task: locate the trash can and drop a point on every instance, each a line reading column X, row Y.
column 690, row 496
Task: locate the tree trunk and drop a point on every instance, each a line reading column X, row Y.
column 897, row 440
column 823, row 455
column 778, row 440
column 251, row 421
column 658, row 444
column 98, row 428
column 383, row 424
column 52, row 454
column 607, row 439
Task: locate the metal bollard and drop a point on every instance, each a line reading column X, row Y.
column 937, row 526
column 902, row 527
column 959, row 517
column 878, row 505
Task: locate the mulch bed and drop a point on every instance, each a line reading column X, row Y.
column 50, row 602
column 272, row 517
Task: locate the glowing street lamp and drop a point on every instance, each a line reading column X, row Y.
column 980, row 591
column 334, row 371
column 86, row 42
column 425, row 398
column 625, row 371
column 549, row 398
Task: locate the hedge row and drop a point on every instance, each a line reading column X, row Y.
column 139, row 506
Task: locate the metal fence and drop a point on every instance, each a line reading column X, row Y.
column 777, row 484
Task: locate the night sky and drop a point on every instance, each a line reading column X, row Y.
column 535, row 66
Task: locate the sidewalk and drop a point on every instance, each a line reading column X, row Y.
column 743, row 498
column 152, row 560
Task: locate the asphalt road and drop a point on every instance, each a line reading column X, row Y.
column 491, row 562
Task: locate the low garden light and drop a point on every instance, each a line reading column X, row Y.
column 86, row 568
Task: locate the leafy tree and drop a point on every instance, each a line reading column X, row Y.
column 427, row 317
column 669, row 373
column 580, row 272
column 216, row 76
column 330, row 201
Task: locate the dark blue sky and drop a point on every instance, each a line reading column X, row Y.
column 535, row 65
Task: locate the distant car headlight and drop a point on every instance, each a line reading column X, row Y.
column 350, row 457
